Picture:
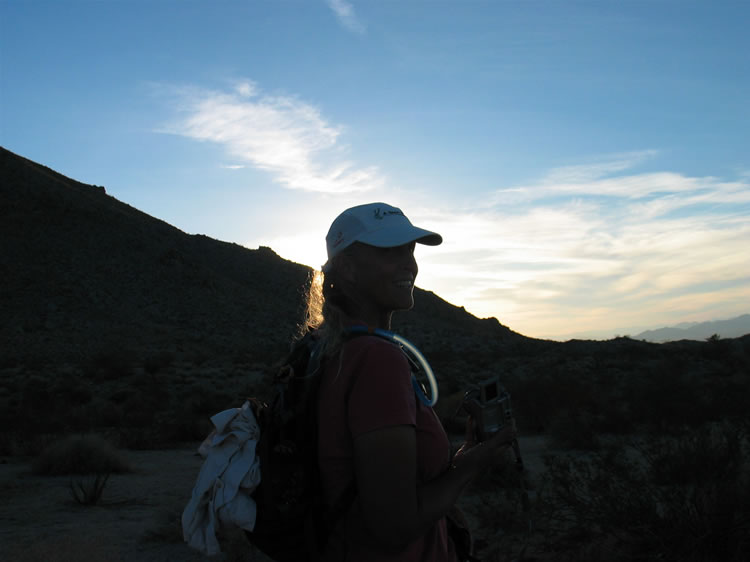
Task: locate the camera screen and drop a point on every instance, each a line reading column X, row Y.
column 490, row 392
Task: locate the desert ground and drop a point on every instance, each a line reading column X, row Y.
column 137, row 519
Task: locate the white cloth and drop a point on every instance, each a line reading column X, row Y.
column 228, row 476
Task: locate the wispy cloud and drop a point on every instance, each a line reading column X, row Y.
column 282, row 135
column 657, row 248
column 583, row 248
column 593, row 251
column 345, row 14
column 606, row 167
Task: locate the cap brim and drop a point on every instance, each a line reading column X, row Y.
column 400, row 235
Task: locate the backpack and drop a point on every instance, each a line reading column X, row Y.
column 292, row 523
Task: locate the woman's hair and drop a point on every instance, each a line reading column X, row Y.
column 327, row 306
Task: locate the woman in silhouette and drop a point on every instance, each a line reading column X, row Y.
column 384, row 457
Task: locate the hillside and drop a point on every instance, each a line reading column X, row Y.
column 84, row 273
column 118, row 324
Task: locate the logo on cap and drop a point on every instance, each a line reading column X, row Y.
column 381, row 214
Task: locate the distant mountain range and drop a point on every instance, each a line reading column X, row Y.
column 731, row 328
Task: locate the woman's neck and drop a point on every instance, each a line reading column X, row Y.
column 373, row 319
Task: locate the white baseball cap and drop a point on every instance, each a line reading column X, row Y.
column 376, row 224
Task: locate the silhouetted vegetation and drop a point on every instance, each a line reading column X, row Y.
column 88, row 490
column 684, row 498
column 81, row 455
column 118, row 325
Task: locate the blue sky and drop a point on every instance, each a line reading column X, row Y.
column 587, row 163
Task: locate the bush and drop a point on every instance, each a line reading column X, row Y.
column 573, row 430
column 686, row 500
column 89, row 454
column 503, row 512
column 158, row 361
column 88, row 490
column 110, row 364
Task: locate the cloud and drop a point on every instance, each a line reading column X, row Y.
column 655, row 249
column 598, row 248
column 282, row 135
column 584, row 248
column 346, row 16
column 588, row 172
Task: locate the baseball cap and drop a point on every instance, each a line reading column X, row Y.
column 376, row 224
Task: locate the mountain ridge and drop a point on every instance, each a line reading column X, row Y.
column 729, row 328
column 83, row 272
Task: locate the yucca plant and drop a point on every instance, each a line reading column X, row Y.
column 88, row 489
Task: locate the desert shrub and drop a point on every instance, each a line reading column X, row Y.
column 688, row 500
column 96, row 414
column 137, row 414
column 138, row 438
column 152, row 389
column 185, row 426
column 666, row 400
column 104, row 413
column 541, row 398
column 36, row 394
column 88, row 489
column 88, row 454
column 158, row 361
column 167, row 526
column 147, row 398
column 533, row 403
column 78, row 394
column 573, row 430
column 122, row 395
column 716, row 348
column 9, row 443
column 110, row 364
column 77, row 419
column 727, row 399
column 502, row 511
column 204, row 399
column 709, row 453
column 198, row 357
column 70, row 389
column 35, row 408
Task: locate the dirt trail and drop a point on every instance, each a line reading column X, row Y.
column 138, row 518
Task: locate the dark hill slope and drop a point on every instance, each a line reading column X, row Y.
column 83, row 273
column 93, row 293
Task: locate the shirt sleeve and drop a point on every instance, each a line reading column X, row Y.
column 382, row 394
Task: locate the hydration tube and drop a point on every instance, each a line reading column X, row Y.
column 416, row 359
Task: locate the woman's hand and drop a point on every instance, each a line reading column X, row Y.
column 490, row 452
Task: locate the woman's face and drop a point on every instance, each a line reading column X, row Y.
column 383, row 281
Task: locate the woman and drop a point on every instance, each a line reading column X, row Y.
column 384, row 457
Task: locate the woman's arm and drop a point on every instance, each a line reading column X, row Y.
column 395, row 508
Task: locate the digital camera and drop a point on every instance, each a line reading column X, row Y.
column 488, row 403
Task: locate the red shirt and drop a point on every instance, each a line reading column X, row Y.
column 364, row 388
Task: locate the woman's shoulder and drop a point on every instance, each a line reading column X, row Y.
column 374, row 351
column 368, row 342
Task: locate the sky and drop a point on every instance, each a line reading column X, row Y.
column 587, row 163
